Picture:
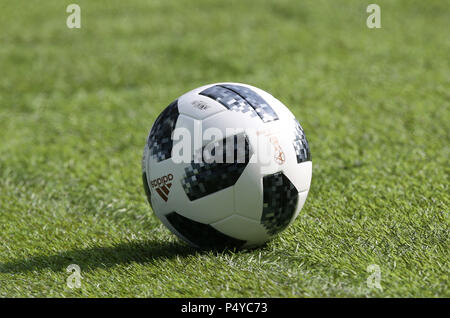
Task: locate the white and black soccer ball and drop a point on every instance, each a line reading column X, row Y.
column 226, row 165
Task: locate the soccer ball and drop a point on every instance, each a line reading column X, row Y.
column 226, row 165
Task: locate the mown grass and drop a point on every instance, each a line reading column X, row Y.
column 76, row 106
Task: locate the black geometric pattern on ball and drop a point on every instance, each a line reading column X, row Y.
column 229, row 99
column 262, row 108
column 206, row 177
column 160, row 138
column 241, row 99
column 147, row 189
column 280, row 198
column 202, row 235
column 300, row 143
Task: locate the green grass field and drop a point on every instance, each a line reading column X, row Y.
column 76, row 106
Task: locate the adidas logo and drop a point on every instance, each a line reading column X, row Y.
column 162, row 186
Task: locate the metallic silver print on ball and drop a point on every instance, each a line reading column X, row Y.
column 279, row 202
